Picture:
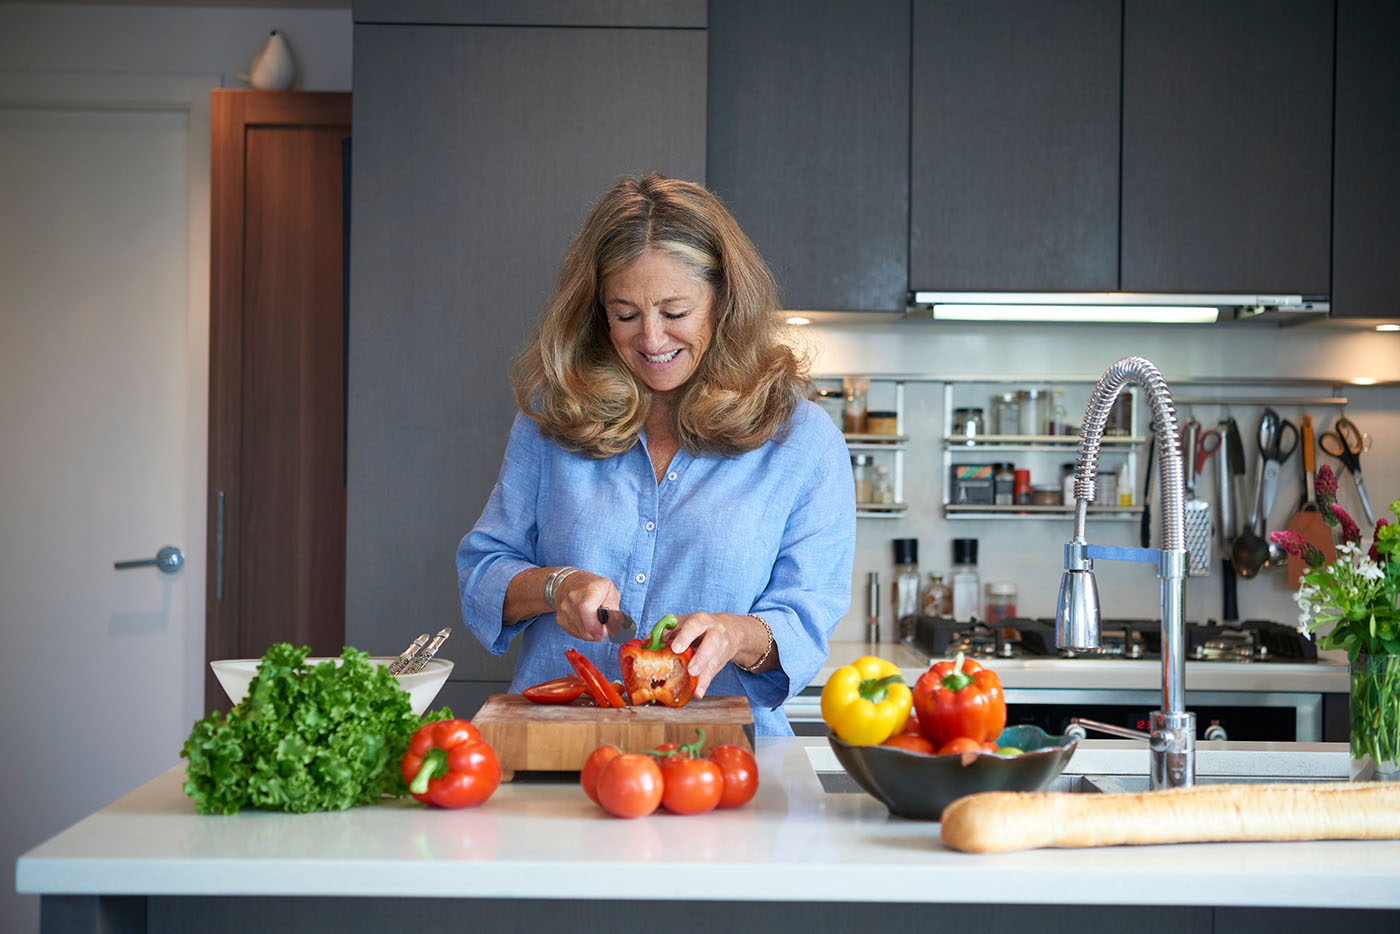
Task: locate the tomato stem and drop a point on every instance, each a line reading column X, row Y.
column 434, row 765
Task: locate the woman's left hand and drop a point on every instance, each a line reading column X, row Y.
column 717, row 638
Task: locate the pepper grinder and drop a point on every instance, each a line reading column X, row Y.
column 872, row 608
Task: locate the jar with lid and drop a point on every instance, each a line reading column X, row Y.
column 1023, row 487
column 968, row 423
column 1120, row 416
column 1050, row 494
column 1004, row 484
column 881, row 488
column 1006, row 414
column 833, row 402
column 938, row 596
column 1058, row 415
column 881, row 422
column 860, row 470
column 1035, row 411
column 967, row 588
column 1001, row 601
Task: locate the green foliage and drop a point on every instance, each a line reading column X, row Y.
column 306, row 738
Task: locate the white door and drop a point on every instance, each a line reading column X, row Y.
column 103, row 366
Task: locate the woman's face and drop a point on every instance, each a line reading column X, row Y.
column 659, row 318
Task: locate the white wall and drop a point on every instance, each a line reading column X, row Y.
column 1030, row 552
column 127, row 42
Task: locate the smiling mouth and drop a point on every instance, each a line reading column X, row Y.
column 661, row 358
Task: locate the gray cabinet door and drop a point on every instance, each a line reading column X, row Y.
column 809, row 143
column 1366, row 207
column 1014, row 162
column 478, row 152
column 1227, row 146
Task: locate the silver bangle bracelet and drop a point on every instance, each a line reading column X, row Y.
column 552, row 582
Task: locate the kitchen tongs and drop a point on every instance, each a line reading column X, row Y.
column 413, row 659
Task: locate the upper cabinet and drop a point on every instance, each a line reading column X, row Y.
column 1366, row 209
column 1014, row 169
column 808, row 143
column 1227, row 146
column 1138, row 146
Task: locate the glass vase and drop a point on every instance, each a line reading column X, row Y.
column 1375, row 718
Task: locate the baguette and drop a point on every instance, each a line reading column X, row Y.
column 999, row 821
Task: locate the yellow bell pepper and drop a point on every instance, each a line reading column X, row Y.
column 866, row 702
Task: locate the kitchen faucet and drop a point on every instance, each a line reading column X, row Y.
column 1172, row 735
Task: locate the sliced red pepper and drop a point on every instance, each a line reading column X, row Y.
column 652, row 672
column 599, row 688
column 556, row 691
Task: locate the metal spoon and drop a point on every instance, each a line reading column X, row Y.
column 1250, row 550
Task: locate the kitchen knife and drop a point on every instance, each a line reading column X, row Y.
column 621, row 627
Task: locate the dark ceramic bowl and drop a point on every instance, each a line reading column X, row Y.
column 920, row 786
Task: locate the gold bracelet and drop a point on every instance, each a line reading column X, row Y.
column 753, row 669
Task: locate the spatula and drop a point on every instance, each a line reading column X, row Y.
column 1200, row 532
column 1308, row 521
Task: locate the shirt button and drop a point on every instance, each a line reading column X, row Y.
column 641, row 578
column 671, row 476
column 651, row 526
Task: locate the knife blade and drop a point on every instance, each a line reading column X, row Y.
column 621, row 627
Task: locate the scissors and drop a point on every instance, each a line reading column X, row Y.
column 1344, row 441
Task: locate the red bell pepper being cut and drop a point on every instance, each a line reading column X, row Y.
column 652, row 672
column 555, row 691
column 599, row 688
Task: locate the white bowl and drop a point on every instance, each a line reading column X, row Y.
column 235, row 674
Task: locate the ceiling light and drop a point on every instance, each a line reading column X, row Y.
column 1130, row 314
column 798, row 320
column 1388, row 327
column 1364, row 381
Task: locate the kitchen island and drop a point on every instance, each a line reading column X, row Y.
column 797, row 857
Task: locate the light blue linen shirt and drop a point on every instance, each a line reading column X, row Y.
column 770, row 532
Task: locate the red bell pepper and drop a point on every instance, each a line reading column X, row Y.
column 652, row 672
column 959, row 698
column 599, row 688
column 450, row 765
column 555, row 691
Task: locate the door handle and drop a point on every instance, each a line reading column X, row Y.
column 169, row 560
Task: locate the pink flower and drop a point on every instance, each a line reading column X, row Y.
column 1351, row 532
column 1298, row 547
column 1375, row 554
column 1325, row 486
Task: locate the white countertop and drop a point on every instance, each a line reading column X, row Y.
column 1328, row 675
column 536, row 840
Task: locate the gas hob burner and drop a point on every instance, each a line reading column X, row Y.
column 1119, row 639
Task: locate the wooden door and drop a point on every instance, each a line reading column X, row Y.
column 276, row 375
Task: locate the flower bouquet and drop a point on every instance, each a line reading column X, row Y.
column 1351, row 603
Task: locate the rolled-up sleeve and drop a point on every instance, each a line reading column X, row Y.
column 810, row 586
column 504, row 540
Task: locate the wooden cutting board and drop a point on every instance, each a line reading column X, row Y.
column 547, row 737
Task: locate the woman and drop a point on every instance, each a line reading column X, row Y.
column 666, row 460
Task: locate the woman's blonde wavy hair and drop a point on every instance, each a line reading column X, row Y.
column 572, row 382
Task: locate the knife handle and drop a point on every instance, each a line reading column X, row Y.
column 1229, row 611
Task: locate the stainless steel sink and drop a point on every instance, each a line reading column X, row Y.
column 1119, row 784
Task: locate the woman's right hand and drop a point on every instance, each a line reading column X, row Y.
column 576, row 604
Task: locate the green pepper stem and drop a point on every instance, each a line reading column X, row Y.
column 434, row 765
column 876, row 689
column 957, row 679
column 666, row 622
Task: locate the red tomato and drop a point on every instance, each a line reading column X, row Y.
column 911, row 725
column 912, row 742
column 690, row 786
column 740, row 773
column 598, row 758
column 557, row 691
column 630, row 785
column 960, row 744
